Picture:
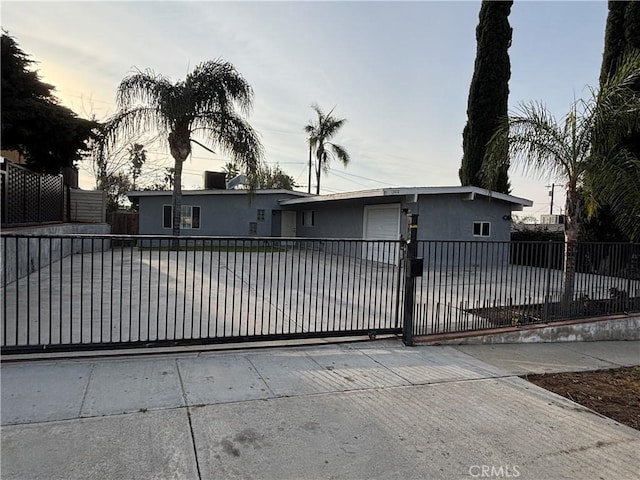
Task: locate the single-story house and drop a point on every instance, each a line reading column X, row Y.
column 468, row 214
column 453, row 214
column 444, row 213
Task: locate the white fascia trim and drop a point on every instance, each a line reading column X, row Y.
column 164, row 193
column 469, row 193
column 335, row 196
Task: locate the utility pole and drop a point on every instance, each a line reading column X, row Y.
column 553, row 187
column 309, row 184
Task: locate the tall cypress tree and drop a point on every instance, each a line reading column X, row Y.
column 622, row 35
column 488, row 93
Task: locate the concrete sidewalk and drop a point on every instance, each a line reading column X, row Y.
column 359, row 410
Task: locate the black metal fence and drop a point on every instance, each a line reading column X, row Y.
column 28, row 197
column 109, row 291
column 89, row 292
column 468, row 286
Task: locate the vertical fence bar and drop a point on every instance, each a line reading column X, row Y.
column 50, row 257
column 218, row 290
column 271, row 288
column 150, row 248
column 629, row 266
column 28, row 282
column 39, row 316
column 357, row 261
column 102, row 242
column 111, row 285
column 193, row 285
column 324, row 282
column 307, row 285
column 208, row 317
column 185, row 276
column 226, row 290
column 277, row 289
column 5, row 284
column 166, row 299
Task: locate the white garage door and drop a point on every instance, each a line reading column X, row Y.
column 382, row 222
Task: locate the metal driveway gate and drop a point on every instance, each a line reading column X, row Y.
column 83, row 292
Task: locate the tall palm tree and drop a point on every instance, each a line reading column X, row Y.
column 203, row 104
column 584, row 141
column 320, row 132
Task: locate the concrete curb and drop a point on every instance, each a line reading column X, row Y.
column 609, row 328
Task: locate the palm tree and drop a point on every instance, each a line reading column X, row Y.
column 320, row 132
column 137, row 157
column 584, row 141
column 203, row 104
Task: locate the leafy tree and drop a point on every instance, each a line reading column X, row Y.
column 582, row 142
column 320, row 132
column 601, row 227
column 488, row 93
column 116, row 187
column 274, row 178
column 115, row 169
column 265, row 177
column 162, row 183
column 111, row 172
column 47, row 134
column 204, row 103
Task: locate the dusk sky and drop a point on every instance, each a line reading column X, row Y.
column 399, row 72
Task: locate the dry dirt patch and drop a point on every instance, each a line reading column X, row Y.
column 614, row 393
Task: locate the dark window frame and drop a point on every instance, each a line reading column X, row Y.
column 195, row 216
column 482, row 229
column 305, row 218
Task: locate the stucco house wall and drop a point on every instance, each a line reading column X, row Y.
column 222, row 212
column 446, row 225
column 445, row 214
column 440, row 217
column 451, row 217
column 340, row 219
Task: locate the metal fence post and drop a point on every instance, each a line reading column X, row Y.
column 630, row 262
column 410, row 255
column 547, row 293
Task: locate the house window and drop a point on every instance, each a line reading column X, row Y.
column 481, row 229
column 260, row 215
column 308, row 218
column 189, row 216
column 253, row 228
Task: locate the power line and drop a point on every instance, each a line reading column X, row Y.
column 364, row 178
column 352, row 181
